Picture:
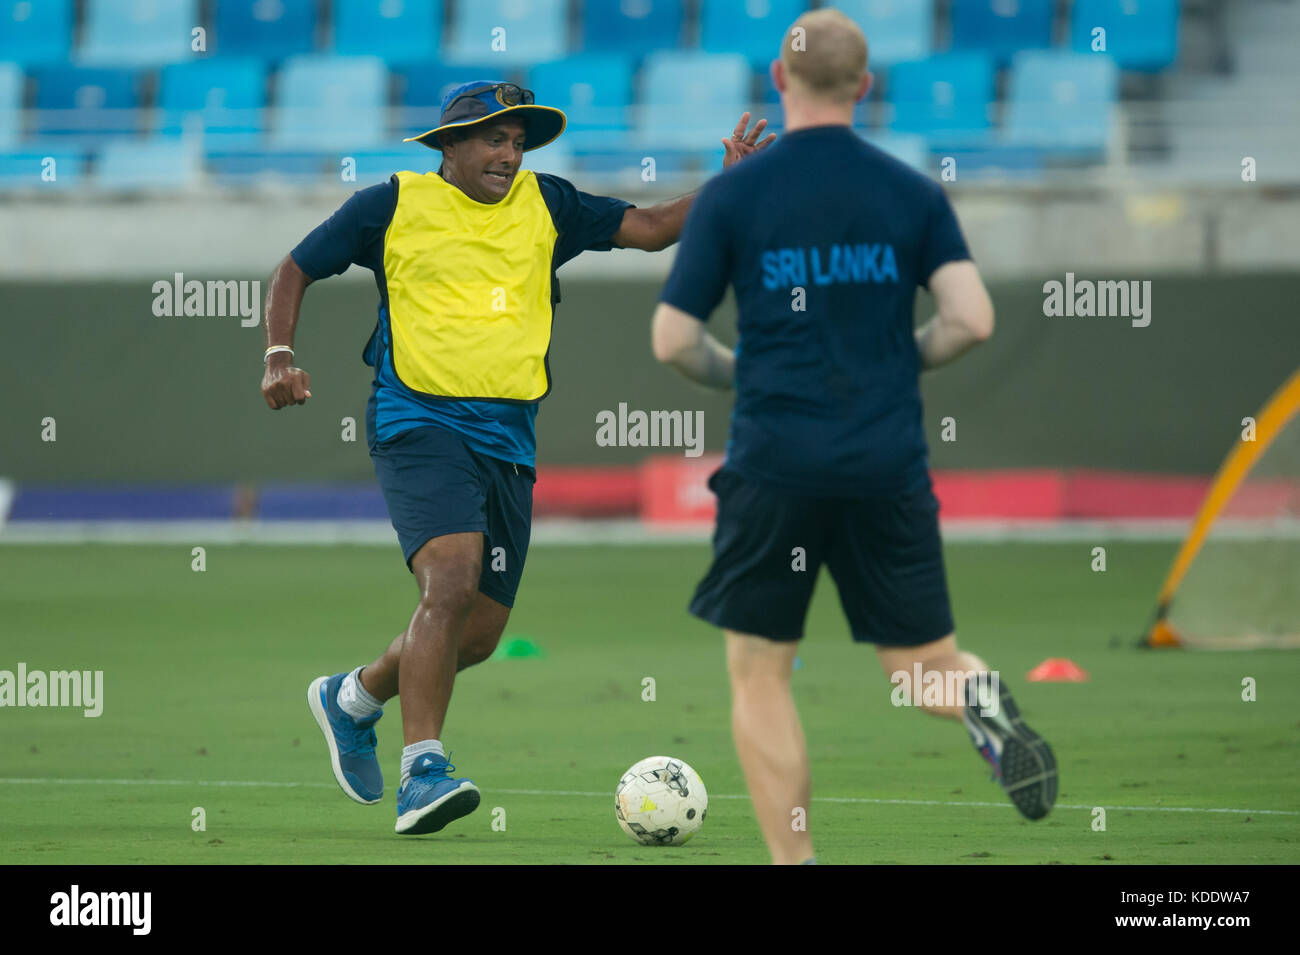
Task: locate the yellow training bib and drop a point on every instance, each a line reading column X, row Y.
column 469, row 290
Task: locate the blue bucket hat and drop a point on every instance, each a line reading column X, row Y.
column 472, row 103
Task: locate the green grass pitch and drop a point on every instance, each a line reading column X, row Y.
column 205, row 677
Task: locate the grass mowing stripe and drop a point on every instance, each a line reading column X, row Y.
column 582, row 792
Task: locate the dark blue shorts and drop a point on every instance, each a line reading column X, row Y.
column 884, row 554
column 435, row 484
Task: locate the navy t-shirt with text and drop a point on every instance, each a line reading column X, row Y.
column 825, row 240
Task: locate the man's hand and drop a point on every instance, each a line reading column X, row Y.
column 741, row 144
column 284, row 384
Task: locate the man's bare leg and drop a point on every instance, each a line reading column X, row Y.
column 941, row 656
column 478, row 638
column 770, row 742
column 447, row 571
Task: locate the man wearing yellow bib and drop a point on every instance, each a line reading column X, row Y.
column 464, row 260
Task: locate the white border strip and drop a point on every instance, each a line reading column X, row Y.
column 852, row 800
column 546, row 531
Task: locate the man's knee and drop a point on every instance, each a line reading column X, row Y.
column 754, row 661
column 447, row 570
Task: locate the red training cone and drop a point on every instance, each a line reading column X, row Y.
column 1057, row 670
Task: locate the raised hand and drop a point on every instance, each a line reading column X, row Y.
column 742, row 144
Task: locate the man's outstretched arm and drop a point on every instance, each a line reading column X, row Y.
column 283, row 384
column 659, row 226
column 680, row 340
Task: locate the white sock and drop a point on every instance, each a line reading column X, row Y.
column 413, row 752
column 354, row 700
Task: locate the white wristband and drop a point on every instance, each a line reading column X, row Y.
column 275, row 348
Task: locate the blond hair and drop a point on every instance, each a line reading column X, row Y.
column 825, row 55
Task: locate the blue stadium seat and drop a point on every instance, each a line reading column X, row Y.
column 595, row 92
column 754, row 28
column 36, row 32
column 1140, row 34
column 535, row 31
column 269, row 29
column 945, row 98
column 1001, row 27
column 400, row 31
column 557, row 158
column 1062, row 102
column 11, row 104
column 905, row 148
column 34, row 168
column 631, row 27
column 225, row 99
column 692, row 100
column 370, row 166
column 250, row 167
column 87, row 102
column 896, row 30
column 153, row 165
column 420, row 90
column 331, row 103
column 135, row 33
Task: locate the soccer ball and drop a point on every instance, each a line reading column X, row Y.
column 660, row 801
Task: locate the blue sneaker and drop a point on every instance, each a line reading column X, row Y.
column 1022, row 761
column 351, row 742
column 431, row 799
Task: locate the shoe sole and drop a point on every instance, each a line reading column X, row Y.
column 461, row 801
column 1027, row 765
column 323, row 721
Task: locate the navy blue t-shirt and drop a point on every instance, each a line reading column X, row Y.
column 828, row 398
column 355, row 234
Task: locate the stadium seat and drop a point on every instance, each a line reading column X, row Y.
column 754, row 28
column 1001, row 28
column 945, row 98
column 11, row 104
column 154, row 165
column 1140, row 34
column 35, row 32
column 268, row 29
column 35, row 168
column 135, row 33
column 400, row 31
column 692, row 100
column 331, row 103
column 535, row 31
column 420, row 90
column 224, row 99
column 371, row 166
column 557, row 158
column 896, row 30
column 251, row 167
column 905, row 148
column 595, row 92
column 87, row 102
column 1061, row 102
column 631, row 27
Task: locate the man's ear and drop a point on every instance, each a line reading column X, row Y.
column 777, row 70
column 864, row 87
